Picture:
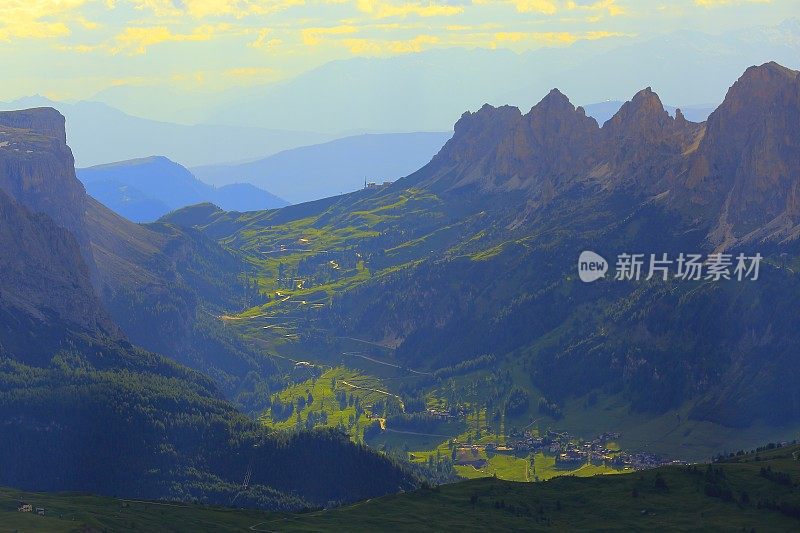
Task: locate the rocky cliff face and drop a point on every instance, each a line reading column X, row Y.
column 46, row 295
column 643, row 145
column 556, row 145
column 501, row 150
column 738, row 175
column 151, row 279
column 37, row 169
column 745, row 173
column 44, row 121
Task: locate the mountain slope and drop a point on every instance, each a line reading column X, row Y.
column 84, row 410
column 746, row 491
column 159, row 283
column 739, row 493
column 329, row 169
column 143, row 190
column 475, row 254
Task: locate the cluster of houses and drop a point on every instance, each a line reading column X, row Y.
column 641, row 461
column 287, row 246
column 571, row 454
column 453, row 413
column 375, row 185
column 23, row 507
column 469, row 456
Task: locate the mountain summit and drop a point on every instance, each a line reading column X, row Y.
column 745, row 173
column 736, row 174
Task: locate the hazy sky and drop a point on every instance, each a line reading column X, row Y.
column 71, row 49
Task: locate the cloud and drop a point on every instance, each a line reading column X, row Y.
column 263, row 41
column 314, row 36
column 547, row 7
column 486, row 26
column 555, row 37
column 382, row 9
column 214, row 8
column 717, row 3
column 377, row 47
column 552, row 7
column 136, row 40
column 252, row 72
column 33, row 19
column 608, row 6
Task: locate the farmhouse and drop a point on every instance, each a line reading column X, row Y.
column 570, row 458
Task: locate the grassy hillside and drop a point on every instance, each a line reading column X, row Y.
column 732, row 495
column 451, row 310
column 72, row 512
column 754, row 492
column 463, row 289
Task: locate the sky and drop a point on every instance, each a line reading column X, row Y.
column 72, row 49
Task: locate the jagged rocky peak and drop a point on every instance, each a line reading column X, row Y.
column 762, row 82
column 487, row 117
column 768, row 88
column 648, row 101
column 643, row 116
column 555, row 100
column 680, row 119
column 740, row 170
column 498, row 130
column 556, row 115
column 746, row 171
column 550, row 146
column 476, row 134
column 499, row 149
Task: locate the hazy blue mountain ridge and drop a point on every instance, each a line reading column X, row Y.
column 143, row 190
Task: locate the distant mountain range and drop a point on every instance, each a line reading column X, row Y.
column 144, row 190
column 101, row 134
column 368, row 94
column 329, row 169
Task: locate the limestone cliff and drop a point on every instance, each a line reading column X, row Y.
column 737, row 176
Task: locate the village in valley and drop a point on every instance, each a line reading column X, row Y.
column 569, row 453
column 530, row 454
column 447, row 434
